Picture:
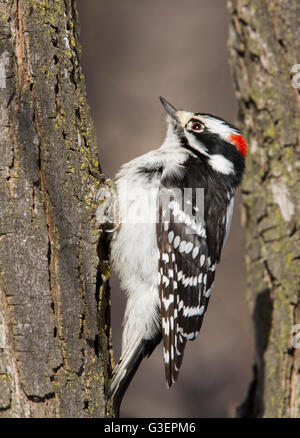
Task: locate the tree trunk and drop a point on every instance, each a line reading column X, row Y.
column 54, row 305
column 264, row 45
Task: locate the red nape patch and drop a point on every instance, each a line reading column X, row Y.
column 240, row 143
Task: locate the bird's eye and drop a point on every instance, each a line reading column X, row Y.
column 197, row 126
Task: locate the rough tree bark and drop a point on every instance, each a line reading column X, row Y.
column 54, row 306
column 264, row 45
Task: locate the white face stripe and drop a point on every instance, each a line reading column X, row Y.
column 220, row 164
column 196, row 144
column 218, row 127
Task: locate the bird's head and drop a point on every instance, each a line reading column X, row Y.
column 212, row 139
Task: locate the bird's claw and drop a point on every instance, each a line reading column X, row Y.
column 106, row 213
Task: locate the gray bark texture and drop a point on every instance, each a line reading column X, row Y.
column 55, row 348
column 264, row 44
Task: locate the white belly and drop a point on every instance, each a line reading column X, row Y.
column 134, row 257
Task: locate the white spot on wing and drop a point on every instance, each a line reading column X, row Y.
column 207, row 293
column 171, row 236
column 165, row 281
column 168, row 301
column 176, row 241
column 182, row 246
column 166, row 356
column 193, row 311
column 189, row 247
column 166, row 326
column 195, row 252
column 165, row 257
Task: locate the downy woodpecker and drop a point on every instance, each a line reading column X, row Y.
column 166, row 263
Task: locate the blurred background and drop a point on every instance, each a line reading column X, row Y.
column 132, row 52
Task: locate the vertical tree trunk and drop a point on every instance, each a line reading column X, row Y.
column 54, row 309
column 264, row 46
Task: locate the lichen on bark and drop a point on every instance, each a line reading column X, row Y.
column 55, row 342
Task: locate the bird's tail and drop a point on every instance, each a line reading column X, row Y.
column 125, row 370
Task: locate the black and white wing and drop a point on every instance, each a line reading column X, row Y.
column 189, row 252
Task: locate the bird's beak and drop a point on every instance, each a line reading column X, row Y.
column 168, row 108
